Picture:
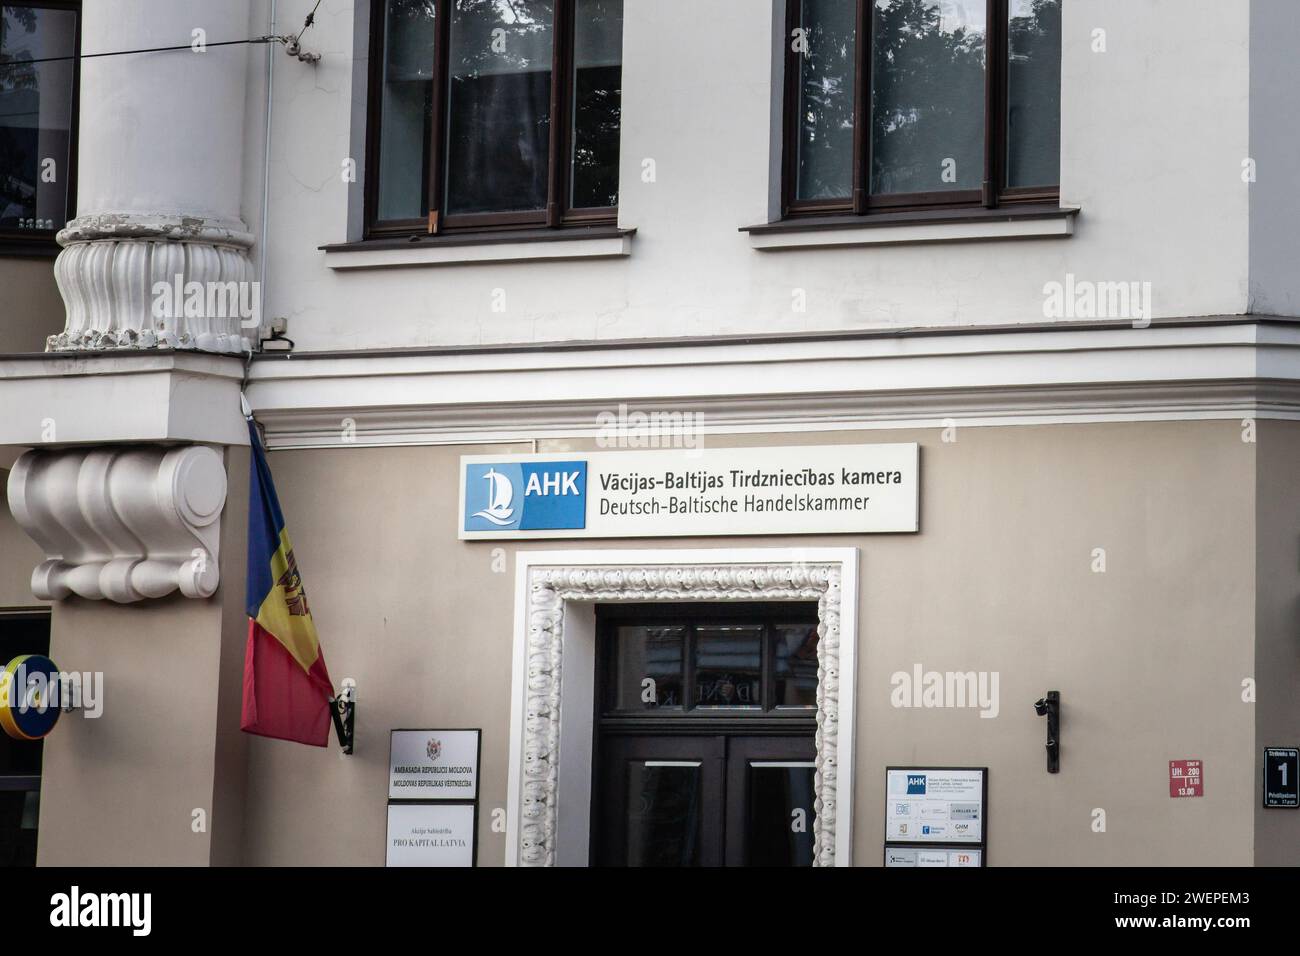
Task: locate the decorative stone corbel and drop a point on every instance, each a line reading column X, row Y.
column 124, row 523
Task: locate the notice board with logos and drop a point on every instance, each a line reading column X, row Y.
column 936, row 816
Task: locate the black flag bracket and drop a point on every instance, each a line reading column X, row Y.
column 343, row 709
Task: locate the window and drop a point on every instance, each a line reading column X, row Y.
column 896, row 105
column 491, row 114
column 38, row 121
column 21, row 632
column 727, row 660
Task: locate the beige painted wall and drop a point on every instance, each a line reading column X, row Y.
column 1277, row 630
column 1148, row 656
column 30, row 306
column 122, row 789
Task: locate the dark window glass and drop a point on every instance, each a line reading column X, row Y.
column 499, row 102
column 729, row 666
column 824, row 163
column 795, row 667
column 406, row 109
column 1034, row 93
column 20, row 760
column 597, row 102
column 776, row 790
column 36, row 117
column 927, row 117
column 915, row 112
column 473, row 102
column 653, row 655
column 664, row 813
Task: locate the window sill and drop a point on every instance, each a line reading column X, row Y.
column 521, row 245
column 894, row 228
column 22, row 247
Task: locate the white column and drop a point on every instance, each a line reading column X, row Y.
column 159, row 182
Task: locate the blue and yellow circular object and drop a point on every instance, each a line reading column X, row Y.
column 29, row 697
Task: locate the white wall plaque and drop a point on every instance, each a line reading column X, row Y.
column 430, row 834
column 433, row 765
column 804, row 489
column 934, row 805
column 919, row 856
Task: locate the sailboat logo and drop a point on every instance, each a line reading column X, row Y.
column 500, row 493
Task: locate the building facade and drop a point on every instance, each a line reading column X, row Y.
column 1015, row 276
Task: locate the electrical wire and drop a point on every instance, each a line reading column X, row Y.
column 269, row 38
column 156, row 49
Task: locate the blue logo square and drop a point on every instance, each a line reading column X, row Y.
column 526, row 496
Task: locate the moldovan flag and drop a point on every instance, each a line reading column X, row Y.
column 287, row 690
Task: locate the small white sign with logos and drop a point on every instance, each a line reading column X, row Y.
column 803, row 489
column 430, row 834
column 927, row 805
column 433, row 765
column 919, row 856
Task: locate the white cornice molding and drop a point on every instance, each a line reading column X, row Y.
column 121, row 524
column 1194, row 371
column 84, row 398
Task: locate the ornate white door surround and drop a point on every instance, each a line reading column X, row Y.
column 551, row 708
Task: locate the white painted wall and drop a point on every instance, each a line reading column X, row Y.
column 1154, row 131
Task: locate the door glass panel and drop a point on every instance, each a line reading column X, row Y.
column 780, row 813
column 597, row 102
column 1034, row 94
column 663, row 813
column 499, row 106
column 824, row 168
column 795, row 668
column 729, row 666
column 648, row 668
column 927, row 97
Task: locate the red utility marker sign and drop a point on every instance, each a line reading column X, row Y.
column 1186, row 779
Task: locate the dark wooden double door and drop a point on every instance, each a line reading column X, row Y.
column 704, row 736
column 725, row 800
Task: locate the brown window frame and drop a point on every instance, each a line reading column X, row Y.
column 557, row 213
column 40, row 243
column 861, row 202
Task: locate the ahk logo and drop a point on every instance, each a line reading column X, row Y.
column 915, row 783
column 526, row 496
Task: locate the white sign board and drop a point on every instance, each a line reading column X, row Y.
column 804, row 489
column 919, row 856
column 926, row 805
column 437, row 834
column 433, row 765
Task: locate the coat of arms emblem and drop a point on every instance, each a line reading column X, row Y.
column 433, row 748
